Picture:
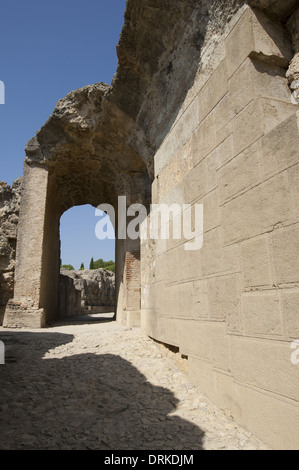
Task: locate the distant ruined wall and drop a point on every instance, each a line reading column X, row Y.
column 233, row 306
column 86, row 291
column 9, row 214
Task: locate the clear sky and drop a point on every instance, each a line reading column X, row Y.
column 47, row 49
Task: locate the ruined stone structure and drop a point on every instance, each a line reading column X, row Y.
column 86, row 291
column 199, row 111
column 9, row 215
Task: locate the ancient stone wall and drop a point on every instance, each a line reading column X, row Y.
column 9, row 214
column 232, row 306
column 86, row 291
column 201, row 110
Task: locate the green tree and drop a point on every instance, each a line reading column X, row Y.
column 99, row 264
column 91, row 264
column 110, row 267
column 82, row 267
column 69, row 267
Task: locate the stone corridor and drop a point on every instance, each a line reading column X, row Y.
column 94, row 384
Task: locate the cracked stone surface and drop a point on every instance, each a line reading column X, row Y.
column 9, row 215
column 94, row 384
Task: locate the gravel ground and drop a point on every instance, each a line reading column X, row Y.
column 98, row 385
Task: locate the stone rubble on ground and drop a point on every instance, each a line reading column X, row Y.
column 100, row 385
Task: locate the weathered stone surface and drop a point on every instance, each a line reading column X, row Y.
column 279, row 8
column 85, row 291
column 203, row 105
column 293, row 26
column 9, row 214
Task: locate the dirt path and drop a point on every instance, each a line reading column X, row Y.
column 99, row 385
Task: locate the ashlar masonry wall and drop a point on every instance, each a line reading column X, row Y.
column 233, row 306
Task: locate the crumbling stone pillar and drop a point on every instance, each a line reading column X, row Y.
column 36, row 235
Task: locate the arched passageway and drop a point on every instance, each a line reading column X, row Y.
column 71, row 162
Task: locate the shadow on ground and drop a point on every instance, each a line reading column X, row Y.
column 84, row 401
column 86, row 319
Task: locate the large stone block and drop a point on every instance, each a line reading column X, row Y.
column 133, row 319
column 241, row 35
column 213, row 91
column 223, row 118
column 266, row 365
column 19, row 315
column 173, row 307
column 248, row 125
column 261, row 313
column 148, row 296
column 276, row 112
column 194, row 338
column 172, row 266
column 201, row 300
column 211, row 252
column 220, row 346
column 204, row 139
column 190, row 264
column 224, row 301
column 294, row 181
column 194, row 184
column 231, row 258
column 211, row 165
column 258, row 36
column 186, row 124
column 161, row 301
column 268, row 416
column 200, row 373
column 256, row 78
column 211, row 211
column 160, row 265
column 290, row 304
column 240, row 173
column 160, row 328
column 186, row 300
column 194, row 300
column 216, row 159
column 285, row 244
column 256, row 262
column 258, row 210
column 280, row 147
column 166, row 151
column 224, row 390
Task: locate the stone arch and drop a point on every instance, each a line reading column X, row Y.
column 71, row 162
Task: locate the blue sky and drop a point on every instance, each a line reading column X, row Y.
column 47, row 49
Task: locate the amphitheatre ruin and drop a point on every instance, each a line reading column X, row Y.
column 203, row 109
